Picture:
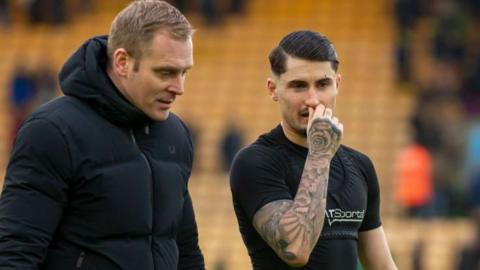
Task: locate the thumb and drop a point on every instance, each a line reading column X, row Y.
column 311, row 112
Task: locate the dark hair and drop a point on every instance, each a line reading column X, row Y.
column 306, row 45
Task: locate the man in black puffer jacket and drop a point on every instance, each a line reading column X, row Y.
column 98, row 178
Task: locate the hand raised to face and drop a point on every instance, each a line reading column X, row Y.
column 324, row 132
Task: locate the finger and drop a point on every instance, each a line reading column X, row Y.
column 328, row 113
column 335, row 120
column 311, row 112
column 340, row 128
column 320, row 110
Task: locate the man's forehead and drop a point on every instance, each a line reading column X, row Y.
column 299, row 68
column 170, row 51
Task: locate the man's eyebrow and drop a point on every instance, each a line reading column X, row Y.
column 170, row 68
column 296, row 81
column 325, row 80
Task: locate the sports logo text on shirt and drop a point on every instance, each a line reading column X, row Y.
column 339, row 215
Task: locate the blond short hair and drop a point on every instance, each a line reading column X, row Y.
column 134, row 27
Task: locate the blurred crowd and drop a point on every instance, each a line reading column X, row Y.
column 30, row 86
column 59, row 12
column 438, row 59
column 214, row 12
column 49, row 12
column 445, row 79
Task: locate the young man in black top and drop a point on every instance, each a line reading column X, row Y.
column 301, row 198
column 98, row 178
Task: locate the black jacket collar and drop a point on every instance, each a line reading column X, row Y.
column 84, row 76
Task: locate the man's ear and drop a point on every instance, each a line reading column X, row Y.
column 272, row 89
column 121, row 61
column 337, row 81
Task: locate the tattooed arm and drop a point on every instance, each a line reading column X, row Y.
column 292, row 228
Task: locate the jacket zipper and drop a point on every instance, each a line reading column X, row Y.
column 134, row 140
column 80, row 260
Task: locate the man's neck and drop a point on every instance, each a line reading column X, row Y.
column 116, row 82
column 294, row 136
column 112, row 76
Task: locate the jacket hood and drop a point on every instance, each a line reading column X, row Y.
column 84, row 76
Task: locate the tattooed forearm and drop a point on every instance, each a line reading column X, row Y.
column 292, row 228
column 267, row 221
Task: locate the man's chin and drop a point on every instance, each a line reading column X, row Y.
column 160, row 116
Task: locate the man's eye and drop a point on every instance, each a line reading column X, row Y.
column 165, row 73
column 323, row 84
column 298, row 85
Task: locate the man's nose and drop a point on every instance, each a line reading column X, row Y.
column 312, row 98
column 177, row 85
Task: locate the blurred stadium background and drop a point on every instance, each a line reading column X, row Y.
column 384, row 68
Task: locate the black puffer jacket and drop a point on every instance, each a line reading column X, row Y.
column 94, row 184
